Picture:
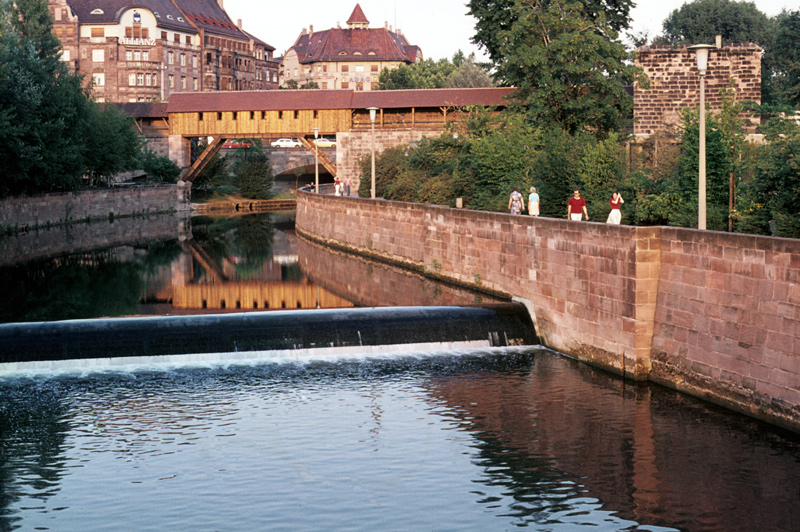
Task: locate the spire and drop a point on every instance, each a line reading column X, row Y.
column 357, row 19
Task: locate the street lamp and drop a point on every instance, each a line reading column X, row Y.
column 372, row 112
column 316, row 161
column 701, row 51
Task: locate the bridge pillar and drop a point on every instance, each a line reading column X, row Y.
column 180, row 151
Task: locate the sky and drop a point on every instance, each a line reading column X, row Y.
column 439, row 27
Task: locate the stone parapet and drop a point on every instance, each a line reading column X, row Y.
column 28, row 212
column 716, row 315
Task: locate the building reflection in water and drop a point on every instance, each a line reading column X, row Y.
column 165, row 266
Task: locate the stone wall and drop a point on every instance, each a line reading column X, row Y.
column 352, row 146
column 96, row 204
column 712, row 314
column 675, row 84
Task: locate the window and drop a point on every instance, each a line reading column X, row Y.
column 188, row 39
column 183, row 82
column 171, row 81
column 316, row 114
column 145, row 55
column 252, row 115
column 98, row 56
column 200, row 116
column 99, row 79
column 163, row 35
column 140, row 78
column 359, row 68
column 263, row 115
column 183, row 59
column 98, row 32
column 324, row 84
column 194, row 84
column 373, row 68
column 171, row 58
column 176, row 38
column 280, row 115
column 128, row 55
column 155, row 79
column 345, row 68
column 59, row 31
column 137, row 55
column 324, row 68
column 219, row 116
column 235, row 115
column 296, row 115
column 147, row 80
column 194, row 61
column 345, row 85
column 65, row 55
column 131, row 79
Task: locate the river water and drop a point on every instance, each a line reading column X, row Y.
column 495, row 439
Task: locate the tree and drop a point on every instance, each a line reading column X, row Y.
column 468, row 75
column 112, row 145
column 42, row 105
column 159, row 168
column 569, row 67
column 427, row 74
column 701, row 21
column 494, row 17
column 785, row 59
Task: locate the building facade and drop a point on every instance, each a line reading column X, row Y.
column 346, row 58
column 146, row 50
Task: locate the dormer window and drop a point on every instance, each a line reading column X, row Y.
column 169, row 17
column 357, row 53
column 180, row 19
column 97, row 12
column 156, row 14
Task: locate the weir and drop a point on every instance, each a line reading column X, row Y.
column 236, row 336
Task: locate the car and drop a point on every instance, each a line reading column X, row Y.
column 233, row 144
column 286, row 143
column 325, row 143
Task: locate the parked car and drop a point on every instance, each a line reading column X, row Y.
column 236, row 144
column 325, row 143
column 286, row 143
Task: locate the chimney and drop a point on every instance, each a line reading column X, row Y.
column 386, row 25
column 719, row 41
column 304, row 31
column 338, row 25
column 239, row 23
column 310, row 30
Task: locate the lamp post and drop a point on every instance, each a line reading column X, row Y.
column 372, row 112
column 701, row 51
column 316, row 161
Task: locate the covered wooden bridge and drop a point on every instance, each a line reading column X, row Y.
column 297, row 113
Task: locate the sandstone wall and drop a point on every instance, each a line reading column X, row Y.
column 96, row 204
column 675, row 84
column 713, row 314
column 352, row 146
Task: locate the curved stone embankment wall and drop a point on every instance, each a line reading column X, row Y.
column 29, row 212
column 712, row 314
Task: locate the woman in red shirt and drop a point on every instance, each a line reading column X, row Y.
column 615, row 216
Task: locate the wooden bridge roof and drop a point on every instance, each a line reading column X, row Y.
column 273, row 100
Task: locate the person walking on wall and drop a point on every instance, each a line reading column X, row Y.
column 533, row 202
column 577, row 207
column 347, row 183
column 337, row 187
column 615, row 216
column 516, row 202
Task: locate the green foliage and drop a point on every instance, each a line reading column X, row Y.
column 254, row 175
column 215, row 173
column 555, row 171
column 495, row 17
column 784, row 57
column 601, row 171
column 427, row 74
column 569, row 68
column 159, row 168
column 42, row 105
column 112, row 145
column 700, row 21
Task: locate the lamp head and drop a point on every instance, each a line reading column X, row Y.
column 701, row 51
column 372, row 112
column 316, row 132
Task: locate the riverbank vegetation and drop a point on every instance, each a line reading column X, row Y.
column 568, row 128
column 55, row 136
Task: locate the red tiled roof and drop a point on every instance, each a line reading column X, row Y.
column 358, row 16
column 337, row 44
column 274, row 100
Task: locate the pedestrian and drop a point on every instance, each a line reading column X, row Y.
column 516, row 202
column 347, row 183
column 337, row 187
column 533, row 202
column 615, row 216
column 577, row 207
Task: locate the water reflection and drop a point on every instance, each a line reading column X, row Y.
column 165, row 266
column 521, row 439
